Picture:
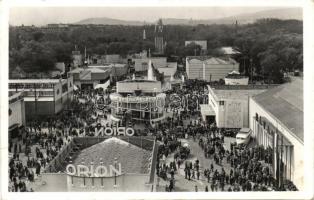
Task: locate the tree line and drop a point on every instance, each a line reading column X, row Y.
column 268, row 47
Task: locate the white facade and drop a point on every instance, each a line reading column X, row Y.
column 230, row 113
column 113, row 58
column 209, row 69
column 16, row 110
column 231, row 106
column 43, row 96
column 292, row 157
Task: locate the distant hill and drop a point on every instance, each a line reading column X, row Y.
column 285, row 13
column 109, row 21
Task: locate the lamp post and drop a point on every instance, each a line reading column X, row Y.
column 83, row 163
column 92, row 163
column 102, row 180
column 115, row 174
column 150, row 110
column 70, row 161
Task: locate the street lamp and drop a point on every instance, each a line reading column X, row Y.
column 83, row 163
column 115, row 174
column 92, row 163
column 102, row 180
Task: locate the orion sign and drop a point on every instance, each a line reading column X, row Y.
column 108, row 130
column 115, row 131
column 92, row 171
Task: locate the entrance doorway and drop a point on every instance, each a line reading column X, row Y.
column 210, row 119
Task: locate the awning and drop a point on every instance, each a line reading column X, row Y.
column 114, row 118
column 103, row 86
column 185, row 145
column 75, row 87
column 13, row 126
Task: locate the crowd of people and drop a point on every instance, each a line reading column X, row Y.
column 238, row 169
column 37, row 144
column 233, row 169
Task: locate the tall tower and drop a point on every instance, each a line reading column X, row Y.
column 144, row 34
column 159, row 40
column 150, row 73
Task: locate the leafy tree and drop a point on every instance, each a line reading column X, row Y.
column 192, row 49
column 34, row 56
column 38, row 35
column 274, row 46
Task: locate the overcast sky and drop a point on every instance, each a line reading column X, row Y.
column 45, row 15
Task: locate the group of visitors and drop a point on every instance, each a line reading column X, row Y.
column 234, row 169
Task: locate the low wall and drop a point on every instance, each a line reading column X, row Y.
column 52, row 182
column 57, row 163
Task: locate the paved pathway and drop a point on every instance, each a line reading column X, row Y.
column 182, row 184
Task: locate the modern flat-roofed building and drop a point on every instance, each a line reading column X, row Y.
column 142, row 100
column 16, row 113
column 209, row 68
column 139, row 99
column 43, row 96
column 85, row 78
column 228, row 105
column 116, row 70
column 141, row 64
column 276, row 118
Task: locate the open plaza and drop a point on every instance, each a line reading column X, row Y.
column 141, row 121
column 139, row 134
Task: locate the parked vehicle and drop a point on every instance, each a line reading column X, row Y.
column 243, row 136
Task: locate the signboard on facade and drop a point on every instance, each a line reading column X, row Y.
column 92, row 171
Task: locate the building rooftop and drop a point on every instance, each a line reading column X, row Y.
column 97, row 70
column 237, row 94
column 76, row 70
column 138, row 81
column 243, row 92
column 133, row 159
column 229, row 50
column 94, row 69
column 212, row 60
column 109, row 65
column 285, row 103
column 34, row 80
column 15, row 97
